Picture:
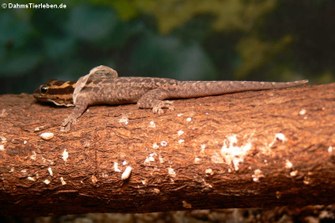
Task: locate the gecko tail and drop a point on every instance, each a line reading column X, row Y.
column 189, row 89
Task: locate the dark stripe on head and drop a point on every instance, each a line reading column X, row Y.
column 61, row 91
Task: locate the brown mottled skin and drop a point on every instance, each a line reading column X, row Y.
column 103, row 86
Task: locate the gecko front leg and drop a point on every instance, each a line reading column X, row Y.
column 78, row 110
column 154, row 99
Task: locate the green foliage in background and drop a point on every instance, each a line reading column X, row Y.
column 183, row 39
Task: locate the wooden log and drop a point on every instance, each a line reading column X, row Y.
column 250, row 149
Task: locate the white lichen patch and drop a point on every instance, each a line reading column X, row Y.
column 180, row 141
column 197, row 160
column 126, row 173
column 124, row 120
column 209, row 171
column 180, row 132
column 288, row 164
column 62, row 181
column 232, row 139
column 171, row 172
column 155, row 146
column 325, row 214
column 302, row 112
column 144, row 182
column 189, row 119
column 65, row 155
column 207, row 184
column 31, row 178
column 294, row 173
column 33, row 156
column 39, row 128
column 86, row 144
column 216, row 158
column 281, row 137
column 25, row 142
column 164, row 143
column 94, row 179
column 50, row 171
column 124, row 162
column 47, row 135
column 46, row 181
column 3, row 139
column 152, row 124
column 307, row 180
column 233, row 154
column 3, row 113
column 330, row 149
column 150, row 158
column 203, row 148
column 116, row 167
column 161, row 159
column 278, row 194
column 278, row 137
column 180, row 114
column 186, row 205
column 257, row 175
column 104, row 175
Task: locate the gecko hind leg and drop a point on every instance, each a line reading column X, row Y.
column 154, row 99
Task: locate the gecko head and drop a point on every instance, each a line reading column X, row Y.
column 56, row 92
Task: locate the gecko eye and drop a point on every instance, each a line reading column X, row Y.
column 44, row 89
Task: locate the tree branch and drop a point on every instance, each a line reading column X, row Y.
column 251, row 149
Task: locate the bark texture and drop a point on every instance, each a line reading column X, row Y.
column 251, row 149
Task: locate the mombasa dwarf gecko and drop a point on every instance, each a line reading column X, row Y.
column 103, row 86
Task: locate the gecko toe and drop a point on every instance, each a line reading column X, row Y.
column 157, row 110
column 168, row 105
column 66, row 124
column 159, row 107
column 65, row 128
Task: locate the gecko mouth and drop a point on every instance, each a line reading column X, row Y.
column 67, row 102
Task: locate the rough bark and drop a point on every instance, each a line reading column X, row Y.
column 251, row 149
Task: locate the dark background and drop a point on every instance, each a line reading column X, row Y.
column 268, row 40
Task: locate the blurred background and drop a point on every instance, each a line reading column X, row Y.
column 270, row 40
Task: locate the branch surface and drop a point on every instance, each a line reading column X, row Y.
column 250, row 149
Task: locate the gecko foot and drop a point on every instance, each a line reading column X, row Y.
column 66, row 128
column 72, row 118
column 158, row 108
column 66, row 125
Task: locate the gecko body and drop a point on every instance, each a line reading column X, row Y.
column 103, row 86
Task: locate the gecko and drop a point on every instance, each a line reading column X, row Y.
column 102, row 85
